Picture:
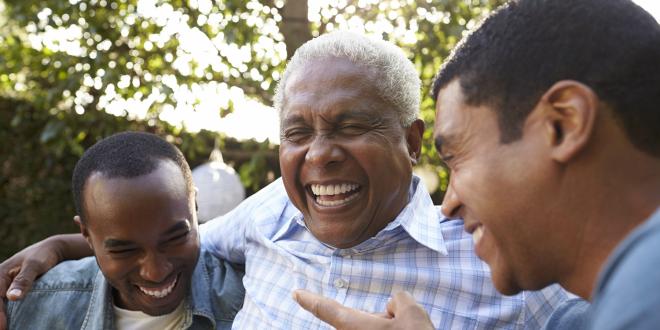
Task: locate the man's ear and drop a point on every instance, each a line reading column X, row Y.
column 83, row 230
column 571, row 110
column 414, row 135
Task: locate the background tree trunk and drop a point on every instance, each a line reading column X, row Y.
column 295, row 25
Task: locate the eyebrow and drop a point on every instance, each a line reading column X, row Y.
column 112, row 243
column 340, row 118
column 360, row 116
column 291, row 120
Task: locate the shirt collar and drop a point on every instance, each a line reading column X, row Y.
column 419, row 218
column 100, row 314
column 199, row 301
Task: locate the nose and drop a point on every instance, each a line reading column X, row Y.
column 155, row 267
column 451, row 204
column 324, row 151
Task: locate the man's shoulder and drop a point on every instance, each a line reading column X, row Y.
column 638, row 254
column 623, row 297
column 210, row 264
column 69, row 275
column 58, row 300
column 218, row 288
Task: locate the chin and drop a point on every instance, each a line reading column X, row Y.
column 505, row 283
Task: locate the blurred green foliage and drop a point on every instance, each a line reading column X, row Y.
column 52, row 94
column 40, row 150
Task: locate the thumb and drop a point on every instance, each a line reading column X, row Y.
column 403, row 307
column 399, row 302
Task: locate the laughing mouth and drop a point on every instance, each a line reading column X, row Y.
column 160, row 292
column 334, row 194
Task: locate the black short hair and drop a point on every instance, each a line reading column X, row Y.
column 125, row 155
column 523, row 48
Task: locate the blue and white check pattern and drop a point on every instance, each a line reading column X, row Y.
column 421, row 252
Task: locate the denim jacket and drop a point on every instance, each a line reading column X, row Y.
column 75, row 295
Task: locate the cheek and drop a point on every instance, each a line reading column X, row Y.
column 291, row 157
column 115, row 271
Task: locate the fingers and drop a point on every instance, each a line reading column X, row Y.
column 6, row 274
column 335, row 314
column 23, row 280
column 8, row 271
column 405, row 310
column 325, row 309
column 400, row 301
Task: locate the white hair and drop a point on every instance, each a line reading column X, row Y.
column 396, row 80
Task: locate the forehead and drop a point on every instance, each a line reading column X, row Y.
column 450, row 115
column 458, row 124
column 153, row 199
column 331, row 86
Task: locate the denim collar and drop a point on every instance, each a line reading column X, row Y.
column 100, row 313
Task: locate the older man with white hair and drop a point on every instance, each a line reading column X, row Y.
column 348, row 219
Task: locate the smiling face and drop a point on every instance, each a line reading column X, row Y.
column 143, row 231
column 506, row 193
column 345, row 157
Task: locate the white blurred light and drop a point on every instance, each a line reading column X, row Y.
column 219, row 189
column 652, row 6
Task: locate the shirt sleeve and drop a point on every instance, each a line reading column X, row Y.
column 225, row 236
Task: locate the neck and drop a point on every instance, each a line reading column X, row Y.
column 616, row 192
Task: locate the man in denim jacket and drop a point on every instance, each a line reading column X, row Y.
column 136, row 209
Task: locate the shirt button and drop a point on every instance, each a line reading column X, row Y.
column 340, row 283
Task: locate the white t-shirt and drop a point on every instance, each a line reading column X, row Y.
column 137, row 320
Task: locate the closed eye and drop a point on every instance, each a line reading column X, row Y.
column 296, row 135
column 353, row 129
column 122, row 252
column 179, row 238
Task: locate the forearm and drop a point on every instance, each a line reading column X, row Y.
column 69, row 246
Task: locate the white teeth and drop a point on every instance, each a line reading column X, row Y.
column 329, row 190
column 335, row 202
column 159, row 293
column 477, row 234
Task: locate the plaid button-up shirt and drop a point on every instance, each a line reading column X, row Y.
column 420, row 251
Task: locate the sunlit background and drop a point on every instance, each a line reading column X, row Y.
column 195, row 106
column 200, row 73
column 198, row 108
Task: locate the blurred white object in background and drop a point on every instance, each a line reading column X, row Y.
column 429, row 176
column 219, row 188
